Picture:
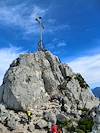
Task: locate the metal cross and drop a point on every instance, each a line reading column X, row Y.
column 40, row 44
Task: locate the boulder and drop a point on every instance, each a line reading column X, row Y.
column 11, row 123
column 41, row 124
column 2, row 107
column 8, row 118
column 12, row 120
column 61, row 118
column 50, row 116
column 31, row 128
column 4, row 114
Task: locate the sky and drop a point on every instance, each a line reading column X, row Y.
column 72, row 32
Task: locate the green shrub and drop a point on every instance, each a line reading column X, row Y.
column 68, row 125
column 81, row 81
column 79, row 131
column 85, row 125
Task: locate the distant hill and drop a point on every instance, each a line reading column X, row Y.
column 96, row 91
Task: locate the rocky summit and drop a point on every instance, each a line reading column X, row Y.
column 37, row 81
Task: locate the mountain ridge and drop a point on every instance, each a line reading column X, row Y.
column 96, row 91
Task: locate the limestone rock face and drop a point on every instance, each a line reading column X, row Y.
column 33, row 78
column 96, row 127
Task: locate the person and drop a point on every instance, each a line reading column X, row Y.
column 49, row 127
column 54, row 128
column 29, row 115
column 60, row 125
column 62, row 102
column 63, row 105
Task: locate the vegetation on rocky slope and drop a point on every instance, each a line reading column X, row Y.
column 81, row 80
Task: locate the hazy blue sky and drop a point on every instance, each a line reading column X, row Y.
column 72, row 32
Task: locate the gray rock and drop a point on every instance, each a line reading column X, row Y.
column 2, row 107
column 96, row 127
column 41, row 124
column 8, row 118
column 3, row 129
column 50, row 116
column 31, row 128
column 33, row 78
column 61, row 118
column 12, row 122
column 4, row 114
column 1, row 93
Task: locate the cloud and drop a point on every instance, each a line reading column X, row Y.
column 7, row 55
column 53, row 28
column 11, row 15
column 61, row 44
column 21, row 15
column 56, row 43
column 89, row 67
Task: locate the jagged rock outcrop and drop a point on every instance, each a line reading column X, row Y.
column 33, row 78
column 96, row 127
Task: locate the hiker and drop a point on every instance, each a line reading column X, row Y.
column 62, row 102
column 60, row 124
column 49, row 127
column 54, row 128
column 63, row 105
column 29, row 115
